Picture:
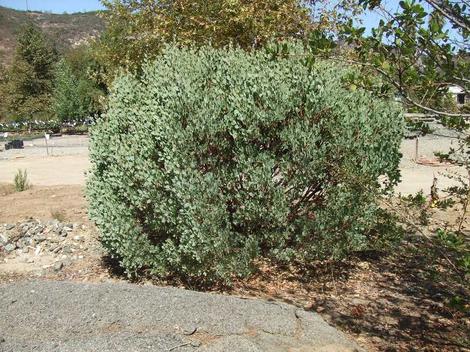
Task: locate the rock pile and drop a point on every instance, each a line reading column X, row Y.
column 32, row 239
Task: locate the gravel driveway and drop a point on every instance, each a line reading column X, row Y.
column 65, row 316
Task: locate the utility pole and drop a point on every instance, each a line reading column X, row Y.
column 27, row 7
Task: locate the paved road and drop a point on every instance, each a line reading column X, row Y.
column 65, row 316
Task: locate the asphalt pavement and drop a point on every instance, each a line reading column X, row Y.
column 65, row 316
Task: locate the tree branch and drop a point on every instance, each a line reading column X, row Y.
column 461, row 22
column 400, row 88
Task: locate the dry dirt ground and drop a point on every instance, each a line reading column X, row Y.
column 401, row 301
column 43, row 202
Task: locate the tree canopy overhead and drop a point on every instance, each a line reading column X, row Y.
column 139, row 28
column 419, row 50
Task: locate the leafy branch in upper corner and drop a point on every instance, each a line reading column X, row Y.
column 418, row 51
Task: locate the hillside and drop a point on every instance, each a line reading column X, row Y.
column 67, row 30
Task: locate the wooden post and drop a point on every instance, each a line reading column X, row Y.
column 417, row 149
column 46, row 138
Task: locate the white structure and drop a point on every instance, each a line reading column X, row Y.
column 461, row 97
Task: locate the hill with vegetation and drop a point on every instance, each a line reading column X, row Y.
column 67, row 30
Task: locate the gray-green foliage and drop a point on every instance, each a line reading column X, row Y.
column 212, row 158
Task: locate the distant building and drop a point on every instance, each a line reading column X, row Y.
column 460, row 95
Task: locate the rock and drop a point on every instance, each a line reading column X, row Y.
column 189, row 330
column 58, row 266
column 37, row 230
column 24, row 229
column 3, row 238
column 10, row 247
column 23, row 242
column 57, row 228
column 9, row 227
column 40, row 238
column 78, row 238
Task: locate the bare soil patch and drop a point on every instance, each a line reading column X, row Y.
column 64, row 161
column 42, row 202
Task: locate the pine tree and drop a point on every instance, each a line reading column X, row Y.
column 29, row 82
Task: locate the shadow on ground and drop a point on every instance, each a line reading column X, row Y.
column 408, row 300
column 405, row 301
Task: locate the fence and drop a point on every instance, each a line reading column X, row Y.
column 39, row 125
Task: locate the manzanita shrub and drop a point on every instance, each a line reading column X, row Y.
column 210, row 159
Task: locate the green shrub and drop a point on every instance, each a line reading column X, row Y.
column 212, row 158
column 21, row 181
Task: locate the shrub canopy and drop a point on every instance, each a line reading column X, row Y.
column 212, row 158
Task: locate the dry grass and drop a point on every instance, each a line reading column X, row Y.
column 58, row 215
column 6, row 189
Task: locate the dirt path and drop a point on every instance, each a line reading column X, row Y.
column 47, row 171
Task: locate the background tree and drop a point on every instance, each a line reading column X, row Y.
column 3, row 93
column 76, row 94
column 138, row 29
column 29, row 81
column 67, row 101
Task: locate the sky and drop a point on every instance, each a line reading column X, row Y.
column 54, row 6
